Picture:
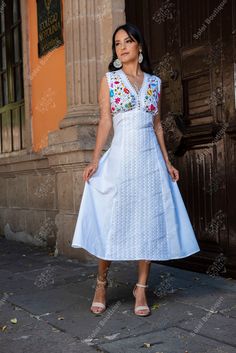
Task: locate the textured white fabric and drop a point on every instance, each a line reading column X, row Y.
column 130, row 207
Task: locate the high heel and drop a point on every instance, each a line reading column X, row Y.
column 100, row 306
column 139, row 308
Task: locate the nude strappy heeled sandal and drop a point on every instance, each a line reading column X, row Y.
column 141, row 307
column 100, row 306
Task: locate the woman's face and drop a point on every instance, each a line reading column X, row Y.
column 126, row 49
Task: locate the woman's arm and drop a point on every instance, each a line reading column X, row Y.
column 160, row 136
column 159, row 131
column 105, row 121
column 103, row 130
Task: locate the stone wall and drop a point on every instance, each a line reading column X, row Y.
column 40, row 193
column 28, row 201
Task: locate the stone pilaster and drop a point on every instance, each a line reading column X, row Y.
column 88, row 29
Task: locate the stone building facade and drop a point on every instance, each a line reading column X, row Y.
column 40, row 191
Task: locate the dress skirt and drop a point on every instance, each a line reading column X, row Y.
column 130, row 207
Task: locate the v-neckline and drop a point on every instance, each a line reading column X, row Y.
column 125, row 77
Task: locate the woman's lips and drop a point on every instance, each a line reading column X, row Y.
column 124, row 54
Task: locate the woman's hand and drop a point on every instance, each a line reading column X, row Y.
column 89, row 170
column 174, row 173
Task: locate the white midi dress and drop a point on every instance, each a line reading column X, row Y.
column 131, row 209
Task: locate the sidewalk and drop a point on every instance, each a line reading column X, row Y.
column 48, row 300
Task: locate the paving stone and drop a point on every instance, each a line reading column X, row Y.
column 51, row 298
column 171, row 340
column 31, row 334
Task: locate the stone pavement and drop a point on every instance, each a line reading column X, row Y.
column 45, row 301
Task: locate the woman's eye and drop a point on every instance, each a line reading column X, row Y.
column 127, row 41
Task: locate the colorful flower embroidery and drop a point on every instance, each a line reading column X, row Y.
column 122, row 99
column 151, row 107
column 153, row 95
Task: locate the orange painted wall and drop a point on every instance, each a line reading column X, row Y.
column 48, row 81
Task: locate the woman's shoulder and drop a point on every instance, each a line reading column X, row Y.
column 155, row 81
column 154, row 78
column 111, row 75
column 113, row 72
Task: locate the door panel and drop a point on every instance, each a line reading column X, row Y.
column 192, row 48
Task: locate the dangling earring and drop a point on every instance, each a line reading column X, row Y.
column 140, row 57
column 117, row 63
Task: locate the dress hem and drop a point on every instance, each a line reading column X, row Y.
column 134, row 259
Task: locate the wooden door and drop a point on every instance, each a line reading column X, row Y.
column 192, row 48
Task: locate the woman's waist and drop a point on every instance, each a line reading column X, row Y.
column 136, row 110
column 133, row 128
column 134, row 135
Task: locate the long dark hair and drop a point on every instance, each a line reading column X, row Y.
column 134, row 32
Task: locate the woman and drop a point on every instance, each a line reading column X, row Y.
column 131, row 207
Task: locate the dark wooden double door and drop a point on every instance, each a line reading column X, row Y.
column 192, row 48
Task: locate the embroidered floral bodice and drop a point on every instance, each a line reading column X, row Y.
column 124, row 97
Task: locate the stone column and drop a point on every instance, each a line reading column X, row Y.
column 88, row 29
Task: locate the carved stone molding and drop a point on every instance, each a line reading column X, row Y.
column 88, row 28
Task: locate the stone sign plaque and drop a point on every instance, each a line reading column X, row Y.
column 49, row 14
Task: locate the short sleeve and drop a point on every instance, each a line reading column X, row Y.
column 158, row 85
column 157, row 93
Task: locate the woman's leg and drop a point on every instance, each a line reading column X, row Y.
column 143, row 271
column 100, row 290
column 103, row 267
column 143, row 274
